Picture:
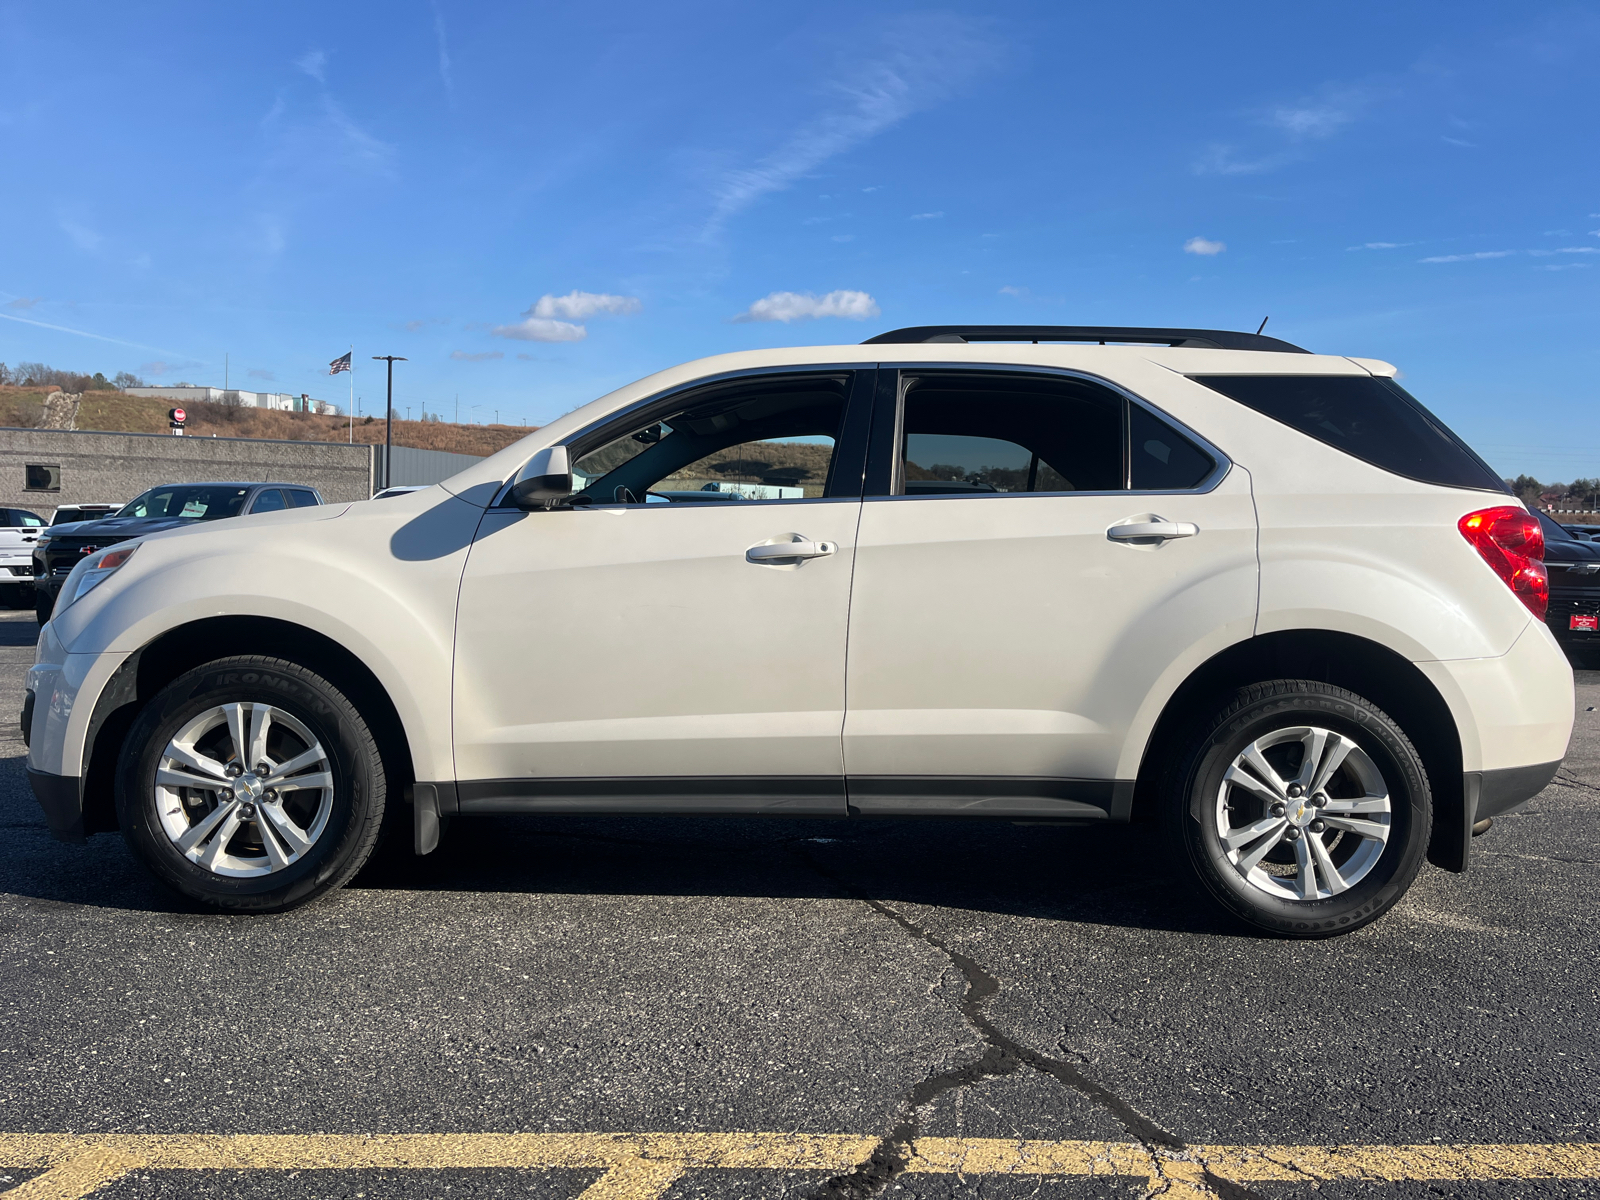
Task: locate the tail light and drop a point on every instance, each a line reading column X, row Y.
column 1511, row 542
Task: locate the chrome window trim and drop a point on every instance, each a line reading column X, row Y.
column 1208, row 484
column 667, row 394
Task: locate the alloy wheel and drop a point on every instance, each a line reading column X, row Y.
column 244, row 790
column 1303, row 813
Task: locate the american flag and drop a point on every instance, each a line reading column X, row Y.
column 342, row 363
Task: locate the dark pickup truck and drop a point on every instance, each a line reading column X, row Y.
column 170, row 506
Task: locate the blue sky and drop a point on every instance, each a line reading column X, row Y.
column 537, row 203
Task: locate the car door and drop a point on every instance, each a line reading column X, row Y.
column 674, row 639
column 1036, row 553
column 268, row 500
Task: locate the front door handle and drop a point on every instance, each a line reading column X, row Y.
column 788, row 551
column 1155, row 530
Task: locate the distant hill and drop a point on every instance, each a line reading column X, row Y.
column 114, row 412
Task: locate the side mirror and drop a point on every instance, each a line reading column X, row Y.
column 546, row 477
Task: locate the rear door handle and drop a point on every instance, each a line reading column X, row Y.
column 1158, row 530
column 787, row 551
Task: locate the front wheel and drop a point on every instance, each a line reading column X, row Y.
column 1303, row 809
column 251, row 784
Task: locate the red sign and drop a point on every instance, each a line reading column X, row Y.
column 178, row 416
column 1588, row 622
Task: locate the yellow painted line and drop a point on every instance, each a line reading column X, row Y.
column 641, row 1166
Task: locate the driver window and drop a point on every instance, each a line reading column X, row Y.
column 756, row 440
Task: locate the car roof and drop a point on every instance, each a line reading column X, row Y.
column 238, row 483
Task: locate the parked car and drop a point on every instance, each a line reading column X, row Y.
column 67, row 514
column 1259, row 602
column 1574, row 613
column 18, row 529
column 169, row 506
column 1581, row 533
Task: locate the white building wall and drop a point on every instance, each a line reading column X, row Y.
column 190, row 393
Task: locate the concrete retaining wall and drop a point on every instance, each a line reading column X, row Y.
column 116, row 467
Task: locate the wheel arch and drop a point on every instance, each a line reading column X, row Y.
column 1345, row 660
column 150, row 668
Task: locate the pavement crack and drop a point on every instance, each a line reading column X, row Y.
column 1565, row 778
column 1002, row 1055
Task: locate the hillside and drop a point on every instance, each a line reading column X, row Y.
column 114, row 412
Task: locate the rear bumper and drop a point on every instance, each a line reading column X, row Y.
column 1495, row 793
column 61, row 797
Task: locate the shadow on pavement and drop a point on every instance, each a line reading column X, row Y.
column 18, row 631
column 1112, row 876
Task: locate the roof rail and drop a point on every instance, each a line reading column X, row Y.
column 1207, row 339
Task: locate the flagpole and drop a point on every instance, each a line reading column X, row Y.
column 352, row 393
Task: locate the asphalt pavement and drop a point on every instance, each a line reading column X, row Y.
column 725, row 1008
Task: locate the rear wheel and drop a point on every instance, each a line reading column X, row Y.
column 1302, row 808
column 251, row 784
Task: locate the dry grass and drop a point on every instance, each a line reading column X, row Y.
column 113, row 412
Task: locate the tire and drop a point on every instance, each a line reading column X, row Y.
column 279, row 835
column 1258, row 863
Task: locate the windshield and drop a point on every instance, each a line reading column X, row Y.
column 193, row 502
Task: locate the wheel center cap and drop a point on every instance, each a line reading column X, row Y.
column 247, row 788
column 1300, row 812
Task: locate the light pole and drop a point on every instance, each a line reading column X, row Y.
column 388, row 416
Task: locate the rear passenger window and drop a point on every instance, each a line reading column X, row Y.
column 268, row 501
column 1373, row 419
column 1161, row 458
column 303, row 498
column 970, row 434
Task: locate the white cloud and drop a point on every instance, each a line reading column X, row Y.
column 1594, row 232
column 486, row 356
column 1460, row 142
column 1311, row 121
column 877, row 187
column 1008, row 290
column 578, row 306
column 1379, row 246
column 1220, row 160
column 803, row 306
column 444, row 50
column 539, row 329
column 1205, row 246
column 82, row 236
column 933, row 216
column 1441, row 258
column 1565, row 266
column 925, row 59
column 313, row 63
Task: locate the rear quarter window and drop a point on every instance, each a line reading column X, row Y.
column 1373, row 419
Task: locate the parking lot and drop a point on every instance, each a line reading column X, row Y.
column 737, row 1008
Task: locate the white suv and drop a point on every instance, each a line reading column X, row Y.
column 1197, row 579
